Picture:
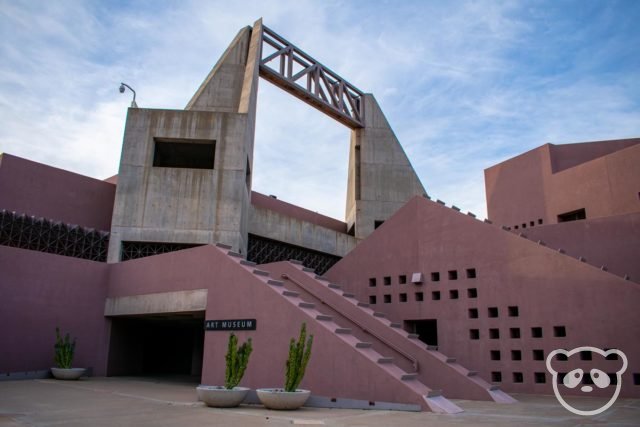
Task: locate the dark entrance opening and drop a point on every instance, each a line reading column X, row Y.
column 427, row 330
column 157, row 345
column 573, row 216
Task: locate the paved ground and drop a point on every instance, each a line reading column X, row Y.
column 147, row 402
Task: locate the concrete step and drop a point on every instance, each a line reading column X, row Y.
column 249, row 263
column 348, row 295
column 395, row 325
column 273, row 282
column 408, row 377
column 378, row 314
column 260, row 272
column 309, row 270
column 295, row 261
column 324, row 317
column 345, row 331
column 288, row 293
column 334, row 286
column 385, row 360
column 413, row 336
column 363, row 304
column 223, row 246
column 324, row 279
column 306, row 305
column 235, row 254
column 364, row 345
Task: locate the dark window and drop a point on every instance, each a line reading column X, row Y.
column 387, row 281
column 611, row 356
column 453, row 294
column 514, row 332
column 176, row 153
column 585, row 355
column 403, row 297
column 495, row 354
column 540, row 221
column 372, row 282
column 561, row 357
column 387, row 299
column 524, row 225
column 572, row 216
column 613, row 379
column 377, row 223
column 518, row 377
column 494, row 333
column 536, row 332
column 372, row 299
column 474, row 334
column 435, row 295
column 559, row 331
column 516, row 227
column 531, row 223
column 471, row 273
column 513, row 311
column 435, row 276
column 419, row 296
column 636, row 379
column 496, row 377
column 516, row 355
column 402, row 279
column 540, row 377
column 538, row 355
column 472, row 293
column 453, row 274
column 493, row 311
column 473, row 313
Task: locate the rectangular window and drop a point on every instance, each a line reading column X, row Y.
column 403, row 297
column 496, row 377
column 402, row 279
column 585, row 355
column 472, row 293
column 538, row 355
column 514, row 311
column 453, row 274
column 435, row 276
column 372, row 282
column 514, row 332
column 419, row 296
column 573, row 215
column 372, row 299
column 387, row 299
column 559, row 331
column 453, row 294
column 184, row 153
column 494, row 333
column 493, row 311
column 516, row 355
column 435, row 295
column 473, row 313
column 495, row 354
column 540, row 377
column 536, row 332
column 387, row 281
column 474, row 334
column 471, row 273
column 518, row 377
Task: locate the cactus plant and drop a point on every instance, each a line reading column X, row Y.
column 237, row 359
column 299, row 354
column 64, row 350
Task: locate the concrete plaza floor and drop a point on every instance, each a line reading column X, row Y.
column 153, row 402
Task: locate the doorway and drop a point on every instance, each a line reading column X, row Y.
column 427, row 330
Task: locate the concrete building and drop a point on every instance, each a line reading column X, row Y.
column 411, row 302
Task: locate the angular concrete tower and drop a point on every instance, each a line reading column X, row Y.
column 185, row 175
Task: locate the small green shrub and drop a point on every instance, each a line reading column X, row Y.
column 299, row 354
column 237, row 360
column 64, row 350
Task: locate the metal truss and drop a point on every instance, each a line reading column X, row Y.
column 262, row 250
column 135, row 250
column 307, row 79
column 44, row 235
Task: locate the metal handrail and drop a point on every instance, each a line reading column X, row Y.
column 413, row 360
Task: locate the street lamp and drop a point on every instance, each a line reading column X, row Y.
column 133, row 103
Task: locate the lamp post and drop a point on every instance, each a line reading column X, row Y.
column 133, row 103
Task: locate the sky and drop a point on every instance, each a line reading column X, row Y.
column 464, row 84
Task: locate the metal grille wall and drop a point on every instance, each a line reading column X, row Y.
column 135, row 250
column 262, row 250
column 44, row 235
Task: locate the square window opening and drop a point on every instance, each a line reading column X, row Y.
column 493, row 311
column 495, row 354
column 453, row 294
column 372, row 299
column 585, row 355
column 538, row 354
column 559, row 331
column 471, row 273
column 536, row 332
column 474, row 334
column 386, row 299
column 613, row 379
column 496, row 377
column 514, row 332
column 518, row 377
column 494, row 333
column 435, row 295
column 472, row 293
column 387, row 281
column 514, row 311
column 516, row 355
column 402, row 279
column 403, row 297
column 372, row 282
column 473, row 313
column 435, row 276
column 453, row 274
column 540, row 377
column 636, row 379
column 419, row 296
column 531, row 223
column 539, row 221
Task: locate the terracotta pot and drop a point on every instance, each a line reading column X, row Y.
column 220, row 397
column 274, row 398
column 67, row 374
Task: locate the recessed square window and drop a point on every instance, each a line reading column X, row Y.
column 539, row 221
column 403, row 297
column 402, row 279
column 453, row 294
column 538, row 355
column 536, row 332
column 518, row 377
column 372, row 299
column 495, row 354
column 540, row 377
column 493, row 311
column 387, row 281
column 474, row 334
column 613, row 379
column 472, row 293
column 435, row 295
column 524, row 225
column 516, row 355
column 419, row 296
column 559, row 331
column 636, row 379
column 516, row 227
column 435, row 276
column 513, row 311
column 573, row 216
column 514, row 332
column 372, row 282
column 387, row 299
column 585, row 355
column 473, row 313
column 453, row 274
column 494, row 333
column 496, row 377
column 471, row 273
column 187, row 153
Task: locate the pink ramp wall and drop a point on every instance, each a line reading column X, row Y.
column 44, row 191
column 39, row 291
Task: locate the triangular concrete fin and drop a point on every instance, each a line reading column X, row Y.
column 249, row 96
column 222, row 89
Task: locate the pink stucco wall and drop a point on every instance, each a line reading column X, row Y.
column 549, row 289
column 601, row 177
column 40, row 291
column 44, row 191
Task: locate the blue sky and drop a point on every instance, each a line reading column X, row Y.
column 464, row 84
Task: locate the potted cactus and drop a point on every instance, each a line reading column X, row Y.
column 63, row 358
column 229, row 396
column 291, row 397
